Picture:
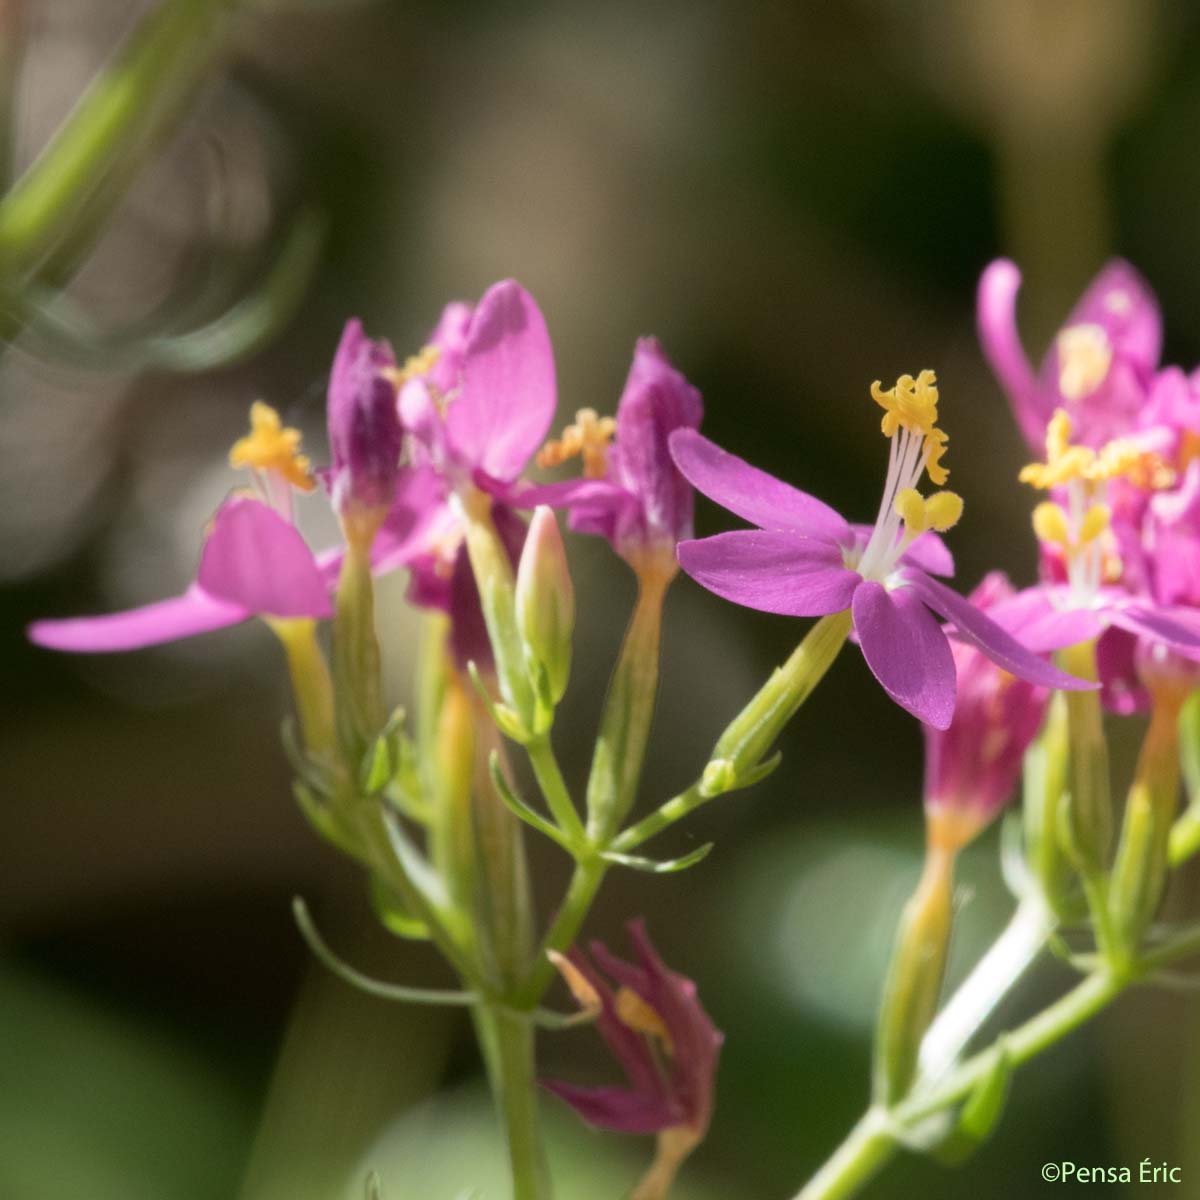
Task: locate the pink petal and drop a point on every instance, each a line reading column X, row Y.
column 256, row 559
column 996, row 317
column 979, row 629
column 508, row 397
column 1039, row 625
column 772, row 571
column 752, row 494
column 165, row 621
column 1122, row 303
column 907, row 651
column 1178, row 628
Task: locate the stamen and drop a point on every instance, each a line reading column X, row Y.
column 415, row 365
column 634, row 1013
column 1050, row 524
column 911, row 404
column 1084, row 356
column 273, row 448
column 588, row 438
column 585, row 994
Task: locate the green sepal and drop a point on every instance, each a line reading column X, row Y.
column 393, row 915
column 980, row 1113
column 503, row 717
column 384, row 756
column 321, row 817
column 655, row 866
column 1189, row 746
column 318, row 777
column 374, row 1187
column 520, row 808
column 721, row 775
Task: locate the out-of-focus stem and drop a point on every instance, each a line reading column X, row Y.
column 311, row 685
column 124, row 108
column 1091, row 797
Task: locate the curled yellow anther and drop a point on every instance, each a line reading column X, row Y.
column 587, row 438
column 911, row 404
column 270, row 446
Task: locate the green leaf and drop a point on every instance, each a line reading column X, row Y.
column 520, row 809
column 364, row 983
column 318, row 777
column 655, row 866
column 322, row 819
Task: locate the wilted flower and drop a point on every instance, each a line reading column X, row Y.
column 806, row 560
column 631, row 492
column 668, row 1046
column 1100, row 365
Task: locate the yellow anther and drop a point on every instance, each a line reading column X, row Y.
column 585, row 994
column 415, row 365
column 934, row 450
column 636, row 1014
column 1065, row 463
column 587, row 438
column 911, row 404
column 1095, row 522
column 943, row 510
column 270, row 446
column 1050, row 524
column 1084, row 356
column 910, row 508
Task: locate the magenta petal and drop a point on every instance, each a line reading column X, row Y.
column 1178, row 628
column 256, row 559
column 979, row 629
column 907, row 651
column 1033, row 619
column 930, row 553
column 166, row 621
column 996, row 316
column 504, row 409
column 752, row 494
column 615, row 1108
column 772, row 571
column 1122, row 303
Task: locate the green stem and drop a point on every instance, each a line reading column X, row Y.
column 870, row 1144
column 124, row 108
column 554, row 788
column 512, row 1045
column 739, row 750
column 628, row 712
column 867, row 1148
column 585, row 883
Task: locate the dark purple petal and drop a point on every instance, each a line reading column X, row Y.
column 255, row 559
column 365, row 437
column 619, row 1109
column 752, row 494
column 1121, row 691
column 165, row 621
column 907, row 651
column 771, row 571
column 507, row 400
column 979, row 629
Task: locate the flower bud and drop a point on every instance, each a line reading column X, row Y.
column 365, row 435
column 546, row 604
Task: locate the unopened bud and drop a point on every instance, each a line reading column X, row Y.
column 546, row 603
column 365, row 436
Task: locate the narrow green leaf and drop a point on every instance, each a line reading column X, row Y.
column 980, row 1113
column 655, row 866
column 518, row 806
column 393, row 915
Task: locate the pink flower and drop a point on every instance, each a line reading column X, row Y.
column 1099, row 367
column 805, row 560
column 631, row 493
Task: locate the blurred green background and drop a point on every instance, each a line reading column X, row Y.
column 797, row 198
